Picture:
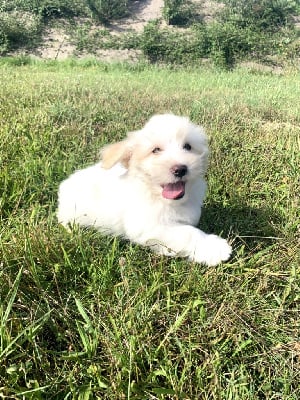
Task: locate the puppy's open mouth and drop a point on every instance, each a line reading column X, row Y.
column 174, row 191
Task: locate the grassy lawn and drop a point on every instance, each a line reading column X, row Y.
column 90, row 317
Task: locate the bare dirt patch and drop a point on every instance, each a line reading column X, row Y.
column 140, row 15
column 57, row 43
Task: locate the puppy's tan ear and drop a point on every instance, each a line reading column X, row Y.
column 116, row 152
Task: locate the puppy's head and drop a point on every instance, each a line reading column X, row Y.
column 168, row 155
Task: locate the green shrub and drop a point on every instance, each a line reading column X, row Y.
column 178, row 12
column 105, row 10
column 18, row 28
column 152, row 42
column 171, row 47
column 219, row 41
column 3, row 42
column 256, row 28
column 229, row 43
column 292, row 50
column 60, row 9
column 260, row 14
column 224, row 43
column 48, row 8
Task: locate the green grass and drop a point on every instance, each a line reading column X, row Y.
column 85, row 316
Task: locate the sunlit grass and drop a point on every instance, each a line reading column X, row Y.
column 86, row 316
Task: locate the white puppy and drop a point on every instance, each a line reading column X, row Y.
column 148, row 188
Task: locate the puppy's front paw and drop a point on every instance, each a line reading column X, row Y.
column 213, row 250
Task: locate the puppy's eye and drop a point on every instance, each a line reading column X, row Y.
column 156, row 150
column 187, row 147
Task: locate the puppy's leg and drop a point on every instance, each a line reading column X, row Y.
column 187, row 241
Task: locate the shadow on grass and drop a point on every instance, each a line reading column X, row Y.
column 252, row 225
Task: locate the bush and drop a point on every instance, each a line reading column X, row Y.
column 105, row 10
column 224, row 43
column 3, row 43
column 171, row 47
column 229, row 44
column 254, row 28
column 179, row 12
column 216, row 40
column 48, row 8
column 60, row 9
column 152, row 42
column 18, row 28
column 259, row 14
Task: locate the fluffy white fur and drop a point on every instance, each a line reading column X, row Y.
column 148, row 188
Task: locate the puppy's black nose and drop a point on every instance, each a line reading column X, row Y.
column 179, row 170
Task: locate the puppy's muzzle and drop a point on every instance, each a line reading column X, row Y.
column 179, row 171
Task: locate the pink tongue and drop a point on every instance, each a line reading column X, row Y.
column 174, row 190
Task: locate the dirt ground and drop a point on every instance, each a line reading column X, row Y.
column 57, row 44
